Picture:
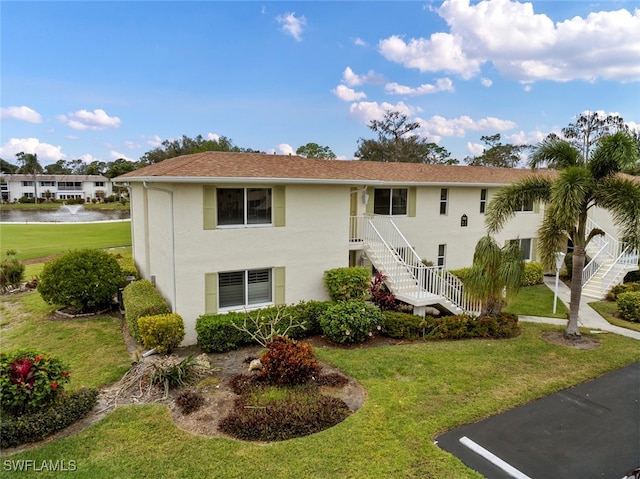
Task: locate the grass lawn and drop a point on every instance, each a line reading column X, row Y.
column 93, row 348
column 38, row 241
column 537, row 301
column 415, row 392
column 606, row 310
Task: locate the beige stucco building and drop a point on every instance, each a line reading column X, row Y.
column 221, row 231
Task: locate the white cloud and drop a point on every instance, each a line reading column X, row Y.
column 155, row 141
column 213, row 137
column 116, row 155
column 524, row 45
column 284, row 149
column 72, row 137
column 441, row 52
column 23, row 113
column 442, row 84
column 474, row 149
column 366, row 111
column 90, row 120
column 348, row 94
column 486, row 82
column 45, row 151
column 292, row 25
column 360, row 42
column 350, row 78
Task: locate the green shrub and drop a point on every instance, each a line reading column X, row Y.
column 350, row 321
column 448, row 327
column 85, row 279
column 345, row 284
column 141, row 298
column 308, row 314
column 623, row 288
column 629, row 306
column 463, row 326
column 402, row 325
column 288, row 362
column 533, row 274
column 39, row 424
column 218, row 333
column 164, row 332
column 262, row 325
column 11, row 270
column 127, row 266
column 30, row 380
column 461, row 273
column 171, row 374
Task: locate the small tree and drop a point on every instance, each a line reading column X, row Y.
column 86, row 280
column 496, row 274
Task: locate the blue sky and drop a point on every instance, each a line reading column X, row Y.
column 108, row 80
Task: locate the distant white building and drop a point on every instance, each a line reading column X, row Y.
column 55, row 187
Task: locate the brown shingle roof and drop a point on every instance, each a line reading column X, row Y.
column 225, row 165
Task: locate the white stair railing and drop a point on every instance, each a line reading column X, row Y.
column 627, row 260
column 404, row 268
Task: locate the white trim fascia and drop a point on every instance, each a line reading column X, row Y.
column 302, row 181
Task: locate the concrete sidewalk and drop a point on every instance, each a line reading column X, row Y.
column 588, row 317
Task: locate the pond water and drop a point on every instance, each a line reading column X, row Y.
column 65, row 214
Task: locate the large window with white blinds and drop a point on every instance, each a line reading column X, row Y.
column 245, row 288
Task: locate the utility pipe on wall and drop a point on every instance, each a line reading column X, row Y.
column 171, row 241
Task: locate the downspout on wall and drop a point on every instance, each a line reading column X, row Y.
column 171, row 241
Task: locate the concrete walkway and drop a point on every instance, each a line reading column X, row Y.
column 588, row 317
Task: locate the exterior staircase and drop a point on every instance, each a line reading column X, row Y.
column 610, row 261
column 407, row 277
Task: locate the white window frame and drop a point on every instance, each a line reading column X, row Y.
column 528, row 251
column 246, row 290
column 245, row 223
column 483, row 200
column 527, row 208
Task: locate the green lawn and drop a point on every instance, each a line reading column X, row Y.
column 537, row 301
column 606, row 309
column 414, row 393
column 37, row 241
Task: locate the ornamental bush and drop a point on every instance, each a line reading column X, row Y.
column 30, row 380
column 218, row 333
column 86, row 280
column 41, row 423
column 288, row 362
column 141, row 298
column 351, row 321
column 533, row 274
column 11, row 270
column 623, row 288
column 402, row 325
column 164, row 332
column 345, row 284
column 629, row 306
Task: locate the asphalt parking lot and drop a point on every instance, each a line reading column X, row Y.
column 588, row 431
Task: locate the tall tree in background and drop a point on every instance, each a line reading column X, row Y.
column 581, row 183
column 6, row 167
column 30, row 166
column 497, row 154
column 315, row 151
column 397, row 143
column 589, row 128
column 120, row 167
column 188, row 146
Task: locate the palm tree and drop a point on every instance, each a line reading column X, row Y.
column 496, row 274
column 579, row 185
column 30, row 164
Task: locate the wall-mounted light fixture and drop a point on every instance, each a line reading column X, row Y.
column 464, row 220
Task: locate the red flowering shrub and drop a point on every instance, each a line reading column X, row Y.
column 29, row 380
column 288, row 362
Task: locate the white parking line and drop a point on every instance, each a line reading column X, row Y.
column 492, row 458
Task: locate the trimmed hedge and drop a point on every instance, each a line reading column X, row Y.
column 403, row 325
column 351, row 321
column 217, row 334
column 629, row 306
column 344, row 284
column 533, row 274
column 409, row 326
column 35, row 426
column 164, row 332
column 623, row 288
column 140, row 299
